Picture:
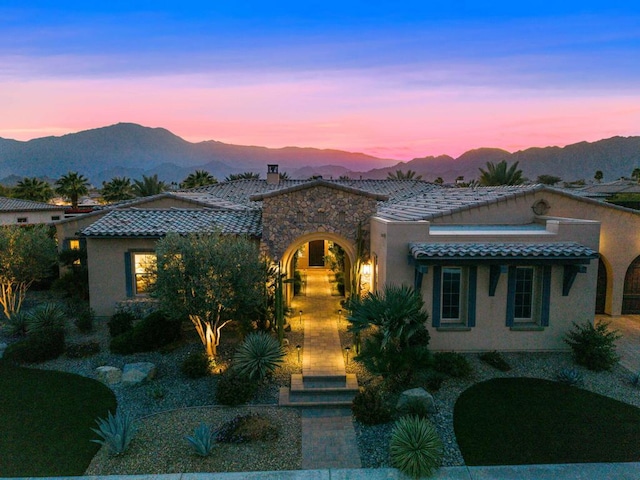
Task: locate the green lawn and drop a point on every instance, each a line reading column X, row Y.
column 46, row 418
column 517, row 421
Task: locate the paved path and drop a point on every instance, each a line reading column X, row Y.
column 328, row 437
column 628, row 345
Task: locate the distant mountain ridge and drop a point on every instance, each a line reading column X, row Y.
column 132, row 150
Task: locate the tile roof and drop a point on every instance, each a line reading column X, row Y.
column 488, row 251
column 17, row 204
column 445, row 201
column 156, row 223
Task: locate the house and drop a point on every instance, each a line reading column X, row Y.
column 15, row 211
column 507, row 268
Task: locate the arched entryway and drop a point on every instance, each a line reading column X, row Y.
column 602, row 285
column 631, row 295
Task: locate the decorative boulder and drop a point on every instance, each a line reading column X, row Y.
column 136, row 373
column 3, row 347
column 416, row 396
column 109, row 375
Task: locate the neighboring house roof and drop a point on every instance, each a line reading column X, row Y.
column 157, row 223
column 19, row 205
column 320, row 183
column 500, row 251
column 445, row 201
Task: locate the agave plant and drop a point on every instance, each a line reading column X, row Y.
column 47, row 315
column 259, row 355
column 415, row 448
column 17, row 325
column 570, row 376
column 202, row 440
column 116, row 432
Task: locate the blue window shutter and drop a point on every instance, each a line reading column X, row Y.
column 471, row 299
column 128, row 274
column 511, row 296
column 437, row 287
column 546, row 296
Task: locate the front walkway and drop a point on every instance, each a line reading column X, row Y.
column 328, row 436
column 628, row 345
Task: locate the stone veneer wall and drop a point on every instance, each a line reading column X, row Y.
column 290, row 215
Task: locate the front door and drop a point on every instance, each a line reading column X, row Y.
column 601, row 290
column 316, row 253
column 631, row 298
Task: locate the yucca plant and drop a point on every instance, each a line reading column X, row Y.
column 570, row 376
column 17, row 325
column 47, row 315
column 116, row 432
column 202, row 440
column 415, row 447
column 258, row 356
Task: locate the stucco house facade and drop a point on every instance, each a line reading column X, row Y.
column 506, row 268
column 15, row 211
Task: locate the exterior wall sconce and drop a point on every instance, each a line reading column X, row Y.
column 301, row 317
column 298, row 347
column 366, row 269
column 347, row 349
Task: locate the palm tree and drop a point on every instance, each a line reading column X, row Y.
column 149, row 186
column 439, row 181
column 33, row 189
column 200, row 178
column 400, row 175
column 284, row 176
column 546, row 179
column 117, row 189
column 636, row 174
column 344, row 177
column 71, row 186
column 598, row 176
column 500, row 174
column 242, row 176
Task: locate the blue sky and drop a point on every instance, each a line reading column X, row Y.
column 396, row 79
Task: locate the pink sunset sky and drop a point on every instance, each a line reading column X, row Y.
column 403, row 86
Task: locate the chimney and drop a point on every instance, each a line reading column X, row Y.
column 273, row 177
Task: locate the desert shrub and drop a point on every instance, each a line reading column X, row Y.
column 40, row 345
column 151, row 333
column 415, row 448
column 247, row 428
column 258, row 356
column 415, row 407
column 593, row 346
column 84, row 319
column 120, row 323
column 371, row 407
column 234, row 389
column 140, row 307
column 81, row 350
column 570, row 376
column 495, row 360
column 49, row 315
column 434, row 381
column 452, row 364
column 116, row 432
column 196, row 365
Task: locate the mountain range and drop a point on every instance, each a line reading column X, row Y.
column 132, row 150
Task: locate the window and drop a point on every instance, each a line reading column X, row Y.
column 528, row 296
column 454, row 296
column 74, row 244
column 55, row 217
column 140, row 272
column 22, row 219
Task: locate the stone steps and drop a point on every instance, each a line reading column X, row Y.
column 319, row 391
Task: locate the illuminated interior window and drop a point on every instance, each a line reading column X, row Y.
column 74, row 244
column 144, row 276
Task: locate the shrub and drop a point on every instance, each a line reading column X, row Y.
column 570, row 376
column 202, row 440
column 452, row 364
column 84, row 319
column 434, row 381
column 247, row 428
column 415, row 448
column 371, row 407
column 81, row 350
column 258, row 356
column 234, row 389
column 116, row 432
column 40, row 345
column 415, row 407
column 495, row 360
column 17, row 325
column 120, row 323
column 196, row 365
column 49, row 315
column 149, row 334
column 593, row 346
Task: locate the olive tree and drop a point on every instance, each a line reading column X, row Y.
column 27, row 255
column 212, row 279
